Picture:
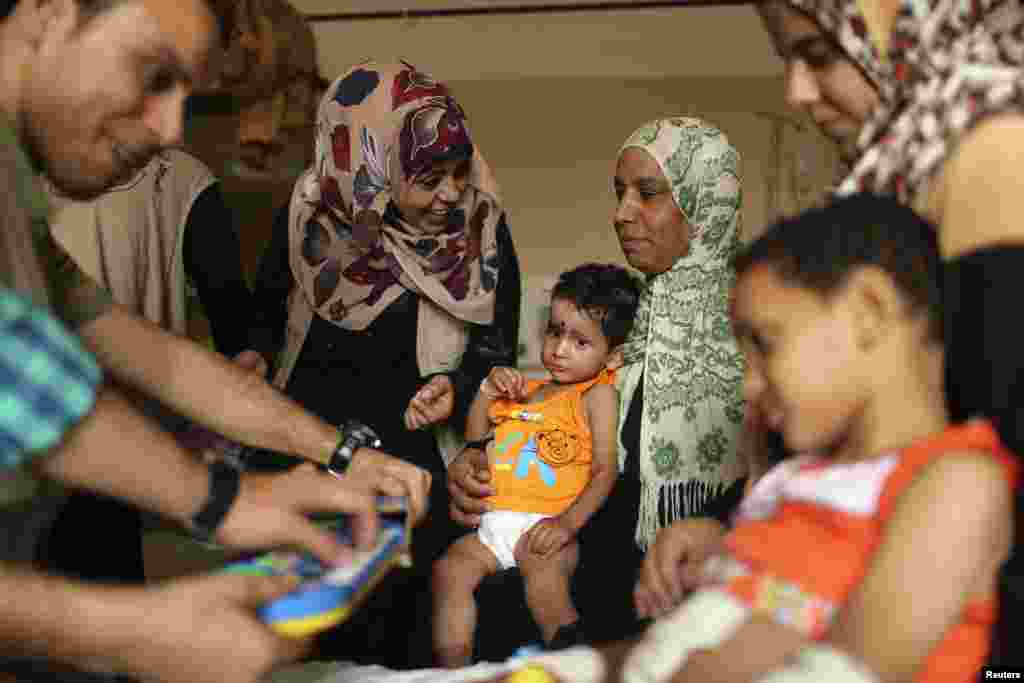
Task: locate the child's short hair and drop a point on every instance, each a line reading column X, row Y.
column 819, row 248
column 604, row 292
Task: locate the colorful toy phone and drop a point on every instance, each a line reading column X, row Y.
column 326, row 597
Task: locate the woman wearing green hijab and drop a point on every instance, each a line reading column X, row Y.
column 677, row 218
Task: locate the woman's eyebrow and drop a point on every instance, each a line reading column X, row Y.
column 650, row 182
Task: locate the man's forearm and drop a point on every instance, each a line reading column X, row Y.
column 206, row 387
column 117, row 451
column 47, row 616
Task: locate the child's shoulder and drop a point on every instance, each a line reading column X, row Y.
column 601, row 400
column 601, row 392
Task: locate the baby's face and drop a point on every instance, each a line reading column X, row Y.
column 802, row 358
column 575, row 348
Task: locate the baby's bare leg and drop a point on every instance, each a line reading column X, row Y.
column 547, row 586
column 456, row 576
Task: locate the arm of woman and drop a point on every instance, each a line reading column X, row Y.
column 273, row 283
column 977, row 201
column 492, row 345
column 213, row 263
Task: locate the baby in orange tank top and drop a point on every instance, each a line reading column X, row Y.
column 553, row 450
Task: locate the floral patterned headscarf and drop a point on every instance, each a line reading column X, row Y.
column 681, row 345
column 351, row 251
column 946, row 66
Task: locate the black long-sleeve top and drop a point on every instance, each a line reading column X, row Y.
column 212, row 256
column 371, row 374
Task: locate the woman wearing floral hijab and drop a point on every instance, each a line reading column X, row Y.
column 392, row 287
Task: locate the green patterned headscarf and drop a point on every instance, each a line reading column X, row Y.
column 682, row 345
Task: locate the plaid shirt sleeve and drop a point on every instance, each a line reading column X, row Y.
column 48, row 381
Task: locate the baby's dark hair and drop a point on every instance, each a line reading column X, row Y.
column 604, row 292
column 820, row 248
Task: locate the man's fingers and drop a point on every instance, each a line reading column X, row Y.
column 306, row 536
column 292, row 649
column 252, row 591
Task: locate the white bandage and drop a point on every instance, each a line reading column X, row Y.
column 579, row 664
column 705, row 620
column 821, row 663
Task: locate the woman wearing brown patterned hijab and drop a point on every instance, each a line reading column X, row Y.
column 391, row 287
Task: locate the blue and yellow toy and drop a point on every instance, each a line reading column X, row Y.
column 326, row 597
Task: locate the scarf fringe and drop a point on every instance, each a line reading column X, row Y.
column 671, row 501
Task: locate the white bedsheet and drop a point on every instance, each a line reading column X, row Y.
column 346, row 672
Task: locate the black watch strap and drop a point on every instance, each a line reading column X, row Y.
column 354, row 435
column 225, row 482
column 479, row 444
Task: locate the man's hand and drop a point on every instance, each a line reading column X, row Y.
column 432, row 404
column 389, row 476
column 204, row 630
column 469, row 482
column 506, row 382
column 548, row 536
column 271, row 511
column 673, row 564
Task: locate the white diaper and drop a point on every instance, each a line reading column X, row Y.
column 500, row 531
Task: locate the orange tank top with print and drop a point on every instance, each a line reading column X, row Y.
column 805, row 534
column 541, row 454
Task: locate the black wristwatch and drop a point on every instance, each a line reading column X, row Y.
column 479, row 444
column 354, row 435
column 225, row 481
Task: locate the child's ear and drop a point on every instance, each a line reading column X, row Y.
column 615, row 359
column 877, row 305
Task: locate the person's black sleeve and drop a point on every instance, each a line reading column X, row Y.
column 213, row 263
column 985, row 378
column 274, row 281
column 495, row 344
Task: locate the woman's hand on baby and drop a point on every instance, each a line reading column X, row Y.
column 673, row 564
column 469, row 483
column 432, row 404
column 548, row 536
column 505, row 382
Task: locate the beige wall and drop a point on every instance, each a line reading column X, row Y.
column 553, row 142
